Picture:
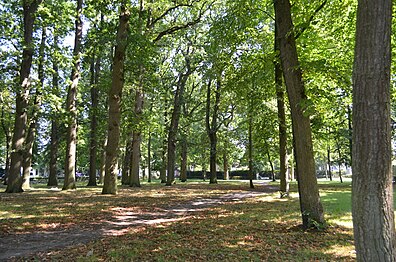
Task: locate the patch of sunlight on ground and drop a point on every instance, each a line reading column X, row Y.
column 342, row 251
column 344, row 221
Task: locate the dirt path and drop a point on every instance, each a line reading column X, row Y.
column 22, row 245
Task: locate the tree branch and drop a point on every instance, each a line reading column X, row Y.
column 310, row 20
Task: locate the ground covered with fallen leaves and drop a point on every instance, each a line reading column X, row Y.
column 184, row 222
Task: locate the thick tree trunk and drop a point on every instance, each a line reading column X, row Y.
column 280, row 97
column 311, row 207
column 14, row 184
column 71, row 105
column 372, row 191
column 115, row 94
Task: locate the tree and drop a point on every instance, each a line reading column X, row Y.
column 311, row 207
column 71, row 104
column 115, row 94
column 372, row 191
column 174, row 124
column 18, row 139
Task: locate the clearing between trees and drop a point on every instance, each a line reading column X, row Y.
column 185, row 222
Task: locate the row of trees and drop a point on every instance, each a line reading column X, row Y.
column 148, row 81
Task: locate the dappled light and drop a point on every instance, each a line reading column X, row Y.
column 193, row 222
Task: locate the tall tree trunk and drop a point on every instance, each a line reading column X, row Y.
column 14, row 184
column 311, row 207
column 125, row 178
column 250, row 152
column 372, row 191
column 115, row 94
column 225, row 166
column 134, row 174
column 271, row 165
column 7, row 133
column 329, row 163
column 173, row 127
column 137, row 133
column 71, row 105
column 349, row 114
column 149, row 175
column 211, row 128
column 93, row 139
column 54, row 140
column 102, row 169
column 31, row 134
column 280, row 97
column 184, row 153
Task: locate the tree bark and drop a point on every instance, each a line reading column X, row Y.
column 7, row 134
column 149, row 175
column 93, row 138
column 125, row 178
column 250, row 151
column 184, row 153
column 54, row 140
column 211, row 128
column 115, row 94
column 71, row 105
column 137, row 133
column 173, row 127
column 14, row 184
column 280, row 98
column 372, row 192
column 31, row 134
column 311, row 207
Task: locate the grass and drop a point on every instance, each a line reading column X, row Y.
column 257, row 229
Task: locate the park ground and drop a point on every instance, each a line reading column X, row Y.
column 191, row 221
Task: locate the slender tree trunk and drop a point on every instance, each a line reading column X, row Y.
column 135, row 164
column 184, row 153
column 349, row 113
column 14, row 184
column 102, row 169
column 372, row 191
column 31, row 134
column 211, row 127
column 115, row 94
column 7, row 134
column 311, row 207
column 125, row 178
column 93, row 139
column 163, row 162
column 225, row 165
column 137, row 134
column 71, row 105
column 271, row 165
column 329, row 164
column 54, row 144
column 149, row 176
column 173, row 128
column 250, row 152
column 280, row 97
